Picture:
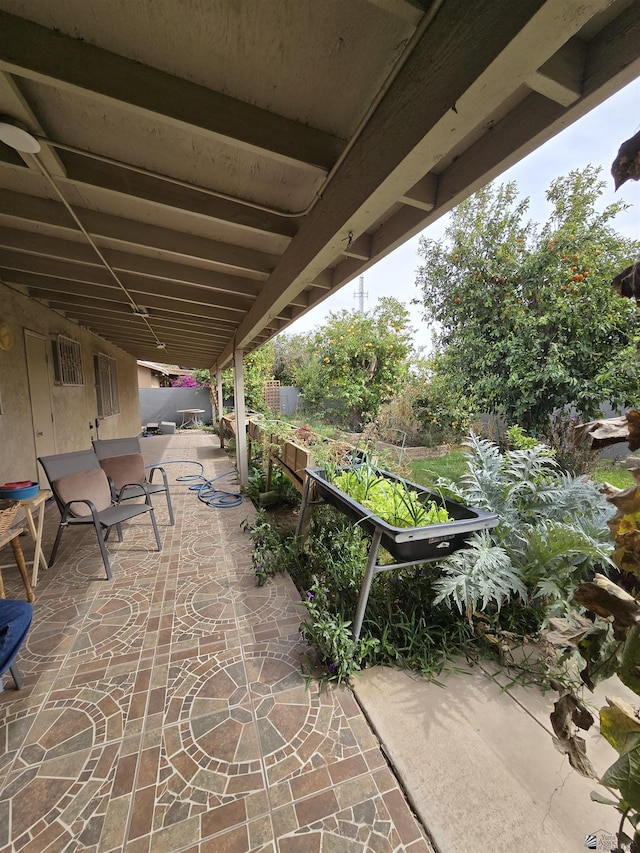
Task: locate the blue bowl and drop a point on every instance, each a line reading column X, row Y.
column 22, row 494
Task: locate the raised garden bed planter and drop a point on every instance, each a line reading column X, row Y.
column 289, row 450
column 408, row 545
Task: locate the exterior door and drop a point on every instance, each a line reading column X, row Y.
column 36, row 348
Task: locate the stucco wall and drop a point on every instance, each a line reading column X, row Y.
column 162, row 404
column 146, row 378
column 73, row 407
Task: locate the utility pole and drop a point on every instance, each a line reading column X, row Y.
column 360, row 294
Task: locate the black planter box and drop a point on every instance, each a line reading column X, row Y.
column 410, row 544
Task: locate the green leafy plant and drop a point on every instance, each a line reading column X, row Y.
column 479, row 575
column 257, row 369
column 391, row 500
column 402, row 625
column 274, row 550
column 445, row 409
column 329, row 633
column 552, row 533
column 519, row 440
column 282, row 487
column 484, row 599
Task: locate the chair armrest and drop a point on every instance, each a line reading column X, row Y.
column 126, row 486
column 67, row 509
column 114, row 493
column 163, row 473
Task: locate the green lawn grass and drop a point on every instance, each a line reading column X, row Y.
column 615, row 474
column 426, row 471
column 452, row 466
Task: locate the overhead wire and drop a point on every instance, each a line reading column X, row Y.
column 135, row 308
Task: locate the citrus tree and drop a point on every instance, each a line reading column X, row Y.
column 356, row 361
column 526, row 314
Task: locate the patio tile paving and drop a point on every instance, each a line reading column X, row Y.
column 165, row 710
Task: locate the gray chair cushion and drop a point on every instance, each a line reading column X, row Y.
column 89, row 485
column 124, row 469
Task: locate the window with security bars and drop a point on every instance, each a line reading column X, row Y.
column 106, row 372
column 67, row 361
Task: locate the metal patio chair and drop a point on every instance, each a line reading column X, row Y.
column 122, row 461
column 15, row 621
column 84, row 496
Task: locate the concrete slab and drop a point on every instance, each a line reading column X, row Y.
column 539, row 706
column 479, row 766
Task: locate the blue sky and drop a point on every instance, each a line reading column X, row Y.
column 594, row 139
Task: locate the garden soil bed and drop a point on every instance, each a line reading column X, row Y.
column 284, row 517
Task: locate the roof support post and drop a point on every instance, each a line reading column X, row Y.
column 241, row 420
column 219, row 403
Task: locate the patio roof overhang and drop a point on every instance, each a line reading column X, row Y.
column 210, row 172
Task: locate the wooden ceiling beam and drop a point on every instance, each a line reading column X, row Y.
column 187, row 326
column 423, row 193
column 163, row 331
column 117, row 324
column 133, row 234
column 16, row 105
column 322, row 281
column 468, row 61
column 103, row 322
column 37, row 243
column 174, row 354
column 125, row 341
column 202, row 363
column 41, row 245
column 83, row 315
column 123, row 182
column 111, row 326
column 195, row 350
column 359, row 248
column 466, row 86
column 560, row 78
column 71, row 64
column 613, row 59
column 106, row 293
column 138, row 286
column 113, row 312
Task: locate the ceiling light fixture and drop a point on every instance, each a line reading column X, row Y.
column 140, row 311
column 16, row 136
column 160, row 345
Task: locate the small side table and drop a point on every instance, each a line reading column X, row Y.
column 13, row 535
column 34, row 506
